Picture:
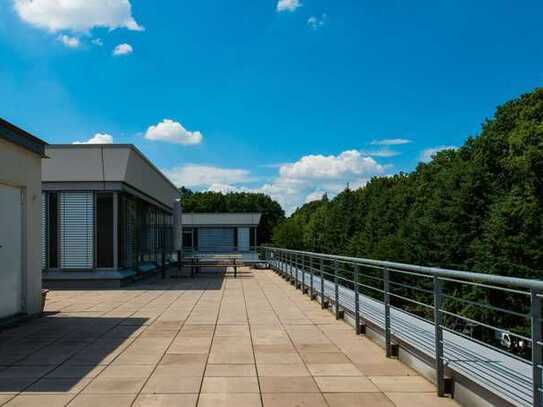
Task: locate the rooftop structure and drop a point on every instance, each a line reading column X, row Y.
column 220, row 233
column 20, row 175
column 108, row 214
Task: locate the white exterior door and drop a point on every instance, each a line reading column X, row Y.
column 11, row 233
column 244, row 240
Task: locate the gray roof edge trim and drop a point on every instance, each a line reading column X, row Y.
column 22, row 138
column 128, row 146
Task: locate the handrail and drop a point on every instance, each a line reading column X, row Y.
column 337, row 280
column 434, row 271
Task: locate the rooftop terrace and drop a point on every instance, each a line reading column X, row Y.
column 209, row 341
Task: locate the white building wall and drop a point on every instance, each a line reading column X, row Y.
column 22, row 168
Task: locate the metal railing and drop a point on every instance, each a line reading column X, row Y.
column 486, row 328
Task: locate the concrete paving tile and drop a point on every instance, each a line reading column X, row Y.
column 420, row 400
column 230, row 385
column 115, row 385
column 25, row 372
column 358, row 400
column 39, row 400
column 312, row 348
column 345, row 384
column 127, row 371
column 402, row 384
column 236, row 370
column 8, row 386
column 166, row 400
column 65, row 371
column 325, row 357
column 58, row 386
column 276, row 358
column 285, row 370
column 271, row 384
column 163, row 384
column 5, row 397
column 232, row 330
column 184, row 359
column 230, row 400
column 333, row 369
column 282, row 348
column 387, row 367
column 102, row 400
column 225, row 357
column 293, row 400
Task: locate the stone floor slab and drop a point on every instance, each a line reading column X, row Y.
column 211, row 341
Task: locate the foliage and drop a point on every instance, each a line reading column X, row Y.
column 479, row 207
column 240, row 202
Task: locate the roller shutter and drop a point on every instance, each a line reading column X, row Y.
column 43, row 230
column 216, row 239
column 77, row 230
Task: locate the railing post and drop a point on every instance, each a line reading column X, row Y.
column 297, row 269
column 290, row 268
column 537, row 357
column 311, row 278
column 336, row 287
column 438, row 331
column 356, row 299
column 303, row 273
column 322, row 283
column 386, row 289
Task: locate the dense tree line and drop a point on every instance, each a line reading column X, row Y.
column 236, row 202
column 478, row 208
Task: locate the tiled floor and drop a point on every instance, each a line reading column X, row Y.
column 209, row 341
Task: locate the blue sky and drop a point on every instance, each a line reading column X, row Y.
column 288, row 97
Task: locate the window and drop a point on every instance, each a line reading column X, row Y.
column 52, row 229
column 187, row 238
column 104, row 230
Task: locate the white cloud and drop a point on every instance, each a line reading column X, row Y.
column 98, row 42
column 122, row 49
column 427, row 154
column 296, row 183
column 383, row 152
column 288, row 5
column 195, row 175
column 98, row 138
column 173, row 132
column 314, row 196
column 77, row 15
column 69, row 41
column 391, row 142
column 316, row 22
column 348, row 163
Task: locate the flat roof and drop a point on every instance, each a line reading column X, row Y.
column 221, row 219
column 22, row 138
column 106, row 163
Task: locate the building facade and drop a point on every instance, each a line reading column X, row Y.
column 20, row 199
column 220, row 232
column 107, row 214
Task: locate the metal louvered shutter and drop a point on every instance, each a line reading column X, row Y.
column 77, row 230
column 43, row 230
column 216, row 239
